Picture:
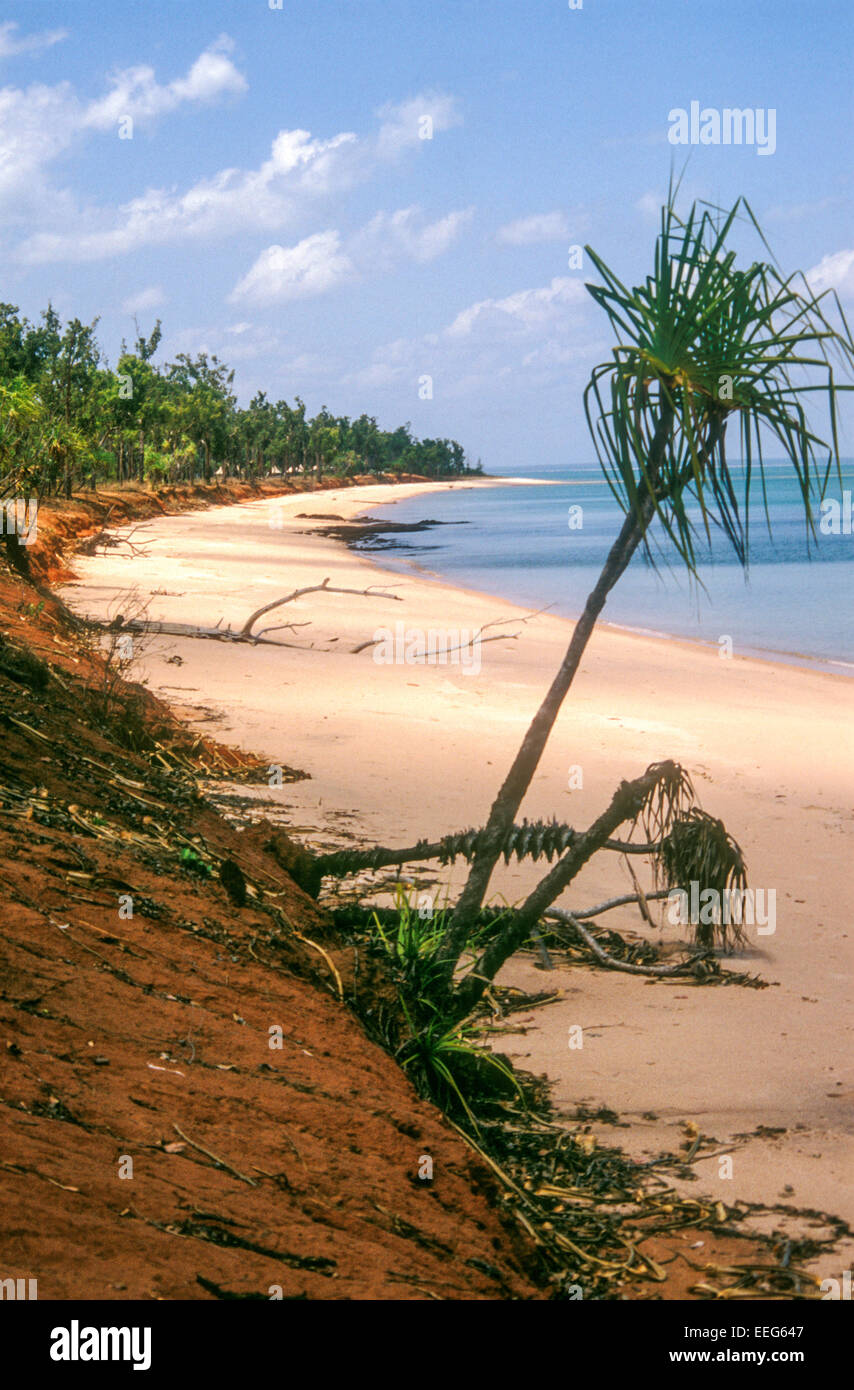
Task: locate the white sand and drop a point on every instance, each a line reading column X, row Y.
column 397, row 752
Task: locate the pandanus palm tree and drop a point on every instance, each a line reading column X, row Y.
column 703, row 348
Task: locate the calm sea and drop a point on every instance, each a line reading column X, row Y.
column 796, row 603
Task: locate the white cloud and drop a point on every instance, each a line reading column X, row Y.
column 415, row 121
column 150, row 298
column 39, row 122
column 36, row 124
column 11, row 44
column 251, row 345
column 377, row 375
column 526, row 309
column 233, row 200
column 314, row 266
column 307, row 363
column 405, row 233
column 835, row 271
column 540, row 334
column 528, row 231
column 299, row 171
column 137, row 93
column 322, row 262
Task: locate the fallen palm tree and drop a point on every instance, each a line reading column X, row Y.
column 684, row 844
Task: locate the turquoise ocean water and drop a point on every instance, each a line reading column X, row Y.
column 796, row 604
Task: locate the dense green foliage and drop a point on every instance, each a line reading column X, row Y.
column 67, row 419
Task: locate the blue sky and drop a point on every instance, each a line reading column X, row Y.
column 276, row 203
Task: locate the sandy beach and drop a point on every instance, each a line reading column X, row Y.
column 399, row 751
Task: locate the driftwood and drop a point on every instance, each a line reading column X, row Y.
column 106, row 539
column 621, row 902
column 463, row 646
column 476, row 639
column 640, row 898
column 559, row 915
column 245, row 633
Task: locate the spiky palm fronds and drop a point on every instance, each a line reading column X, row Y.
column 703, row 343
column 700, row 850
column 411, row 943
column 446, row 1060
column 671, row 794
column 450, row 1066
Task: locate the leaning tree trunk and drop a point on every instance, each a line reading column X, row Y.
column 625, row 805
column 519, row 778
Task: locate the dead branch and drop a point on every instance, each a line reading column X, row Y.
column 619, row 902
column 280, row 627
column 104, row 540
column 559, row 915
column 498, row 637
column 526, row 618
column 245, row 633
column 134, row 548
column 462, row 646
column 548, row 963
column 494, row 622
column 90, row 545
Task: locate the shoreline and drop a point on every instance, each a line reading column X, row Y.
column 802, row 660
column 397, row 753
column 786, row 660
